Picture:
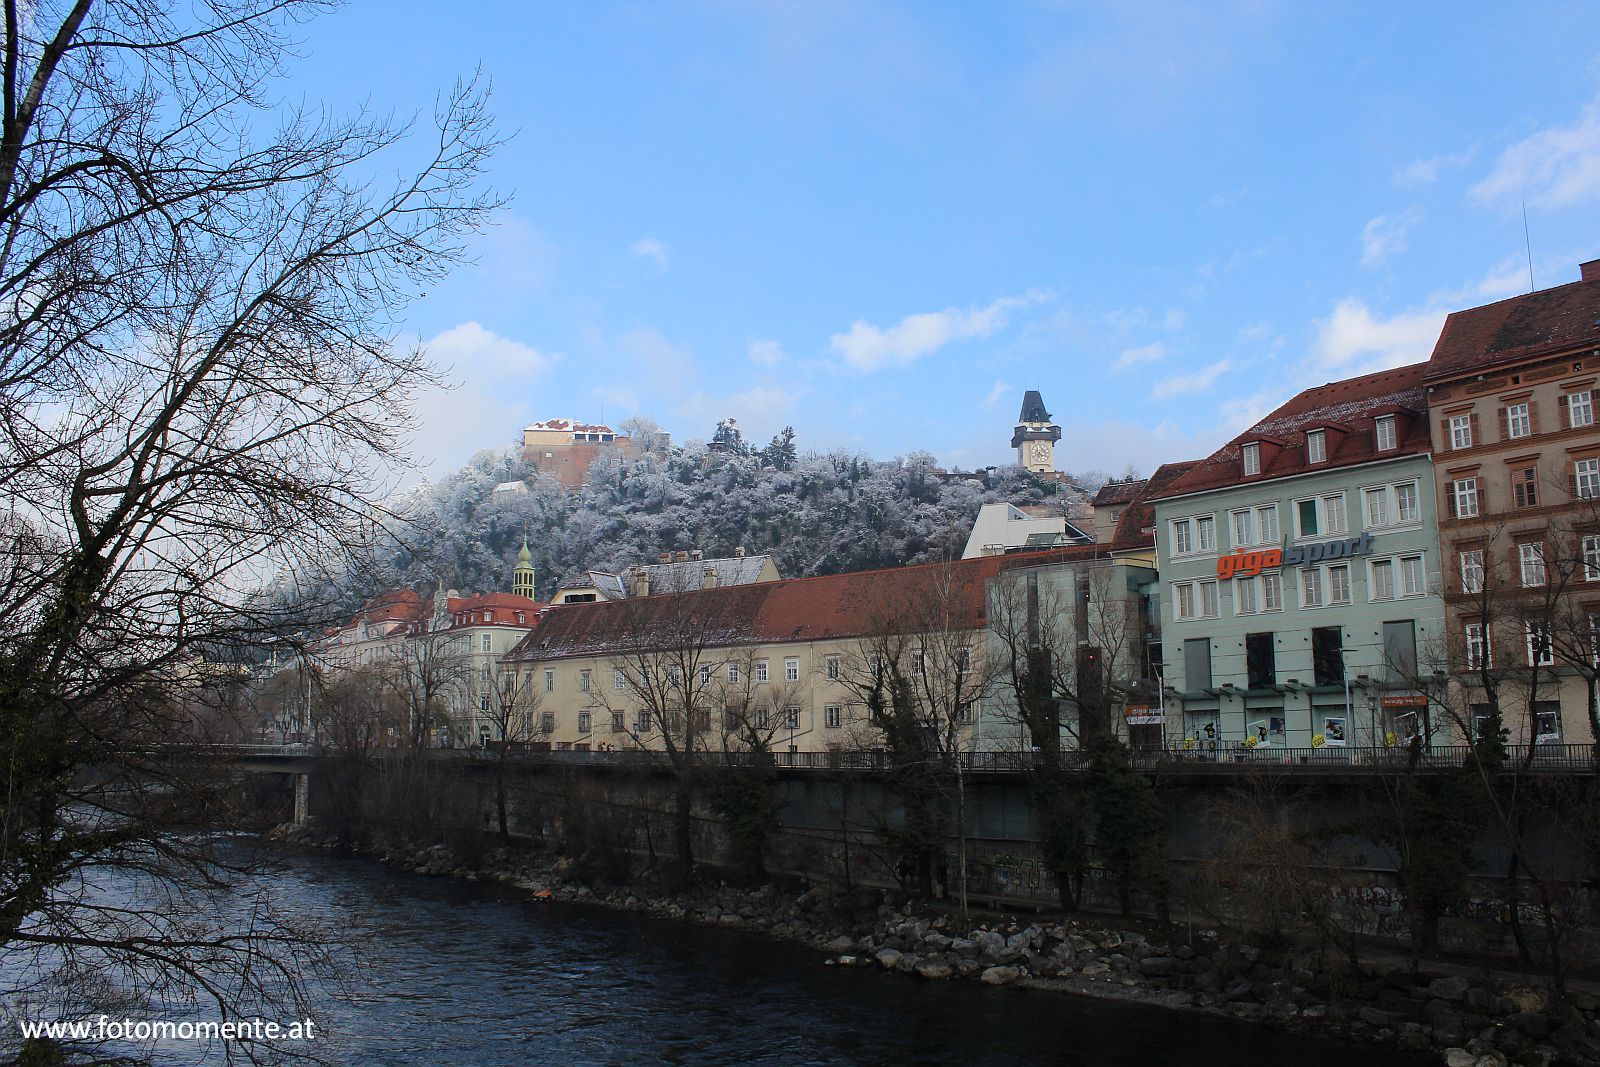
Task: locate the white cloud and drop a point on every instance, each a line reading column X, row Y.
column 471, row 350
column 996, row 394
column 762, row 410
column 1229, row 197
column 1174, row 318
column 868, row 348
column 1198, row 382
column 766, row 353
column 1385, row 236
column 1352, row 335
column 1133, row 357
column 1555, row 167
column 1427, row 171
column 652, row 249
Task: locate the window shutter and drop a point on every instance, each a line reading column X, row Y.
column 1572, row 479
column 1533, row 416
column 1444, row 435
column 1566, row 416
column 1450, row 498
column 1505, row 426
column 1482, row 488
column 1477, row 434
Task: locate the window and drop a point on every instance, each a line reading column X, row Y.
column 1540, row 650
column 918, row 660
column 1195, row 600
column 549, row 681
column 1382, row 580
column 1327, row 655
column 1244, row 528
column 618, row 679
column 1580, row 408
column 762, row 721
column 705, row 675
column 585, row 722
column 1206, row 528
column 1411, row 579
column 733, row 674
column 1477, row 647
column 1339, row 584
column 791, row 717
column 1308, row 518
column 963, row 712
column 617, row 724
column 1407, row 503
column 1311, row 589
column 1244, row 596
column 547, row 723
column 1546, row 722
column 1591, row 557
column 1267, row 520
column 830, row 667
column 1385, row 430
column 1377, row 506
column 583, row 681
column 1482, row 721
column 1183, row 603
column 675, row 677
column 1525, row 487
column 1260, row 661
column 488, row 642
column 483, row 702
column 1272, row 592
column 1530, row 563
column 1316, row 446
column 1182, row 537
column 761, row 672
column 1252, row 459
column 1518, row 422
column 832, row 717
column 641, row 722
column 1460, row 432
column 791, row 669
column 1209, row 602
column 1463, row 498
column 1586, row 479
column 1333, row 516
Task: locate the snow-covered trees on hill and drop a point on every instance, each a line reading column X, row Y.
column 827, row 513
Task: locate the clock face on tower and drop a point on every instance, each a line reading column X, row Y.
column 1039, row 451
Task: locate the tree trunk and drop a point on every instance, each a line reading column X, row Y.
column 683, row 825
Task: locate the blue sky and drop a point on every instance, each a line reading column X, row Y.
column 880, row 222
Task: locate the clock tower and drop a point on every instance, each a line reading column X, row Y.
column 1035, row 436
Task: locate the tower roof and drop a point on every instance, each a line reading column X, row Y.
column 1033, row 408
column 524, row 558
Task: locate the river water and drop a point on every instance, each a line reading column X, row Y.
column 471, row 973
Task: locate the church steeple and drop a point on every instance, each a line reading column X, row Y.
column 1035, row 436
column 522, row 574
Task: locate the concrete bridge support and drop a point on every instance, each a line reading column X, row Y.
column 302, row 798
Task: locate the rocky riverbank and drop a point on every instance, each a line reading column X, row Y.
column 1467, row 1020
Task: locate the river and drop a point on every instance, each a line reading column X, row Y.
column 472, row 973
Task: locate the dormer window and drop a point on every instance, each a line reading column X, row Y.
column 1252, row 459
column 1385, row 431
column 488, row 616
column 1316, row 446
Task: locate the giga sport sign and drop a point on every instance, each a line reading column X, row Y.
column 1253, row 563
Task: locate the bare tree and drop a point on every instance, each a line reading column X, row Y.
column 198, row 392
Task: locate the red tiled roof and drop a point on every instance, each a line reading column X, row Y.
column 1136, row 525
column 568, row 424
column 1353, row 403
column 793, row 609
column 1516, row 328
column 398, row 606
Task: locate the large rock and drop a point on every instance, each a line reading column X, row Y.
column 990, row 945
column 1161, row 966
column 1531, row 1023
column 1453, row 987
column 1000, row 975
column 967, row 950
column 935, row 968
column 1459, row 1057
column 841, row 945
column 1095, row 968
column 888, row 958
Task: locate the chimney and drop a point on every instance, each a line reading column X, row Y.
column 640, row 584
column 709, row 579
column 1590, row 271
column 738, row 553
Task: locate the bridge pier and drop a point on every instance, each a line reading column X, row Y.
column 302, row 798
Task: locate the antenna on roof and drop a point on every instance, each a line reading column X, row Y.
column 1528, row 241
